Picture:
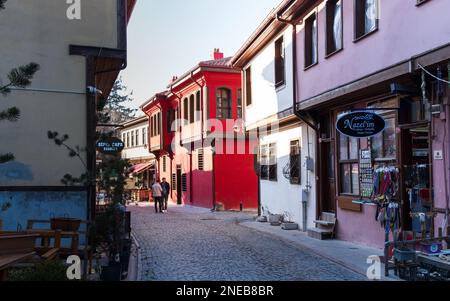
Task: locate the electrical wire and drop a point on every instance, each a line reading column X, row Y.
column 432, row 75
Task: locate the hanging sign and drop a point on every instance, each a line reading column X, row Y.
column 360, row 124
column 110, row 145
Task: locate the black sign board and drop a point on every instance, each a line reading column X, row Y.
column 110, row 146
column 360, row 124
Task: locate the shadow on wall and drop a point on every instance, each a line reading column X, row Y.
column 15, row 171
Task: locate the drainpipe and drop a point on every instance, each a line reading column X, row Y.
column 201, row 124
column 294, row 107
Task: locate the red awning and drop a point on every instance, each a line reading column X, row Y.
column 138, row 168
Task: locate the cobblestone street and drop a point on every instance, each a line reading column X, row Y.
column 188, row 244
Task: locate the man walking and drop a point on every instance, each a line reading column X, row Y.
column 157, row 192
column 166, row 192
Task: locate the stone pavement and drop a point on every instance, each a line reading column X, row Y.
column 189, row 244
column 350, row 255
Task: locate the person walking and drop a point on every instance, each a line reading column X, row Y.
column 157, row 192
column 166, row 192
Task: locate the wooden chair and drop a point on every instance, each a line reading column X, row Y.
column 325, row 226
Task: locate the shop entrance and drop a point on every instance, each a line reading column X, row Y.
column 327, row 165
column 415, row 179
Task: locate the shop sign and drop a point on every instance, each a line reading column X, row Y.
column 110, row 145
column 360, row 124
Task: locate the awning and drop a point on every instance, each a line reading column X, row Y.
column 138, row 168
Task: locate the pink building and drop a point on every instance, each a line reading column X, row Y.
column 368, row 54
column 387, row 57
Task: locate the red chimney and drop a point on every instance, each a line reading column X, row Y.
column 217, row 55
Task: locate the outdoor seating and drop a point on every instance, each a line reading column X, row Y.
column 324, row 226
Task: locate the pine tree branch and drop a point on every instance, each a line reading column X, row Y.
column 20, row 77
column 4, row 158
column 11, row 114
column 2, row 4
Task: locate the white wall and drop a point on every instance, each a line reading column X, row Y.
column 266, row 99
column 282, row 196
column 140, row 151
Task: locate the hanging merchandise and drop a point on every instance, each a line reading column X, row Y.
column 385, row 182
column 392, row 217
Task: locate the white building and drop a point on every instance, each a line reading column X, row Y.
column 134, row 134
column 287, row 176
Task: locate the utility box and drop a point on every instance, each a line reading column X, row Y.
column 309, row 164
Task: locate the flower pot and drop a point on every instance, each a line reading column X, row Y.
column 17, row 243
column 289, row 226
column 65, row 224
column 112, row 272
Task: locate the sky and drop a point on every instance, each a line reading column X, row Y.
column 169, row 37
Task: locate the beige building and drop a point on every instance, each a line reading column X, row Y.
column 81, row 51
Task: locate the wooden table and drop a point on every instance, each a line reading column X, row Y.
column 8, row 260
column 47, row 235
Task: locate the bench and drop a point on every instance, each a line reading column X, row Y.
column 324, row 226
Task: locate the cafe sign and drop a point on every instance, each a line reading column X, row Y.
column 360, row 124
column 110, row 146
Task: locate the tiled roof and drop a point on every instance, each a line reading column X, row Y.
column 222, row 63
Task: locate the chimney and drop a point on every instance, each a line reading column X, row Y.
column 174, row 78
column 217, row 55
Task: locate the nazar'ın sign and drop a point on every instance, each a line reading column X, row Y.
column 360, row 124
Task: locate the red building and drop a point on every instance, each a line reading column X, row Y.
column 197, row 138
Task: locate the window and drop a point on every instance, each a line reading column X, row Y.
column 294, row 162
column 152, row 127
column 158, row 126
column 223, row 104
column 184, row 182
column 264, row 158
column 311, row 41
column 174, row 180
column 248, row 86
column 170, row 119
column 366, row 17
column 279, row 62
column 198, row 107
column 136, row 135
column 268, row 164
column 200, row 159
column 124, row 139
column 128, row 139
column 191, row 109
column 349, row 165
column 186, row 110
column 334, row 26
column 384, row 145
column 239, row 103
column 164, row 164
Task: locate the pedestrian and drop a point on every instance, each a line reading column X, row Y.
column 157, row 192
column 166, row 192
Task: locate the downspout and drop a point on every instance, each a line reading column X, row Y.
column 297, row 114
column 201, row 129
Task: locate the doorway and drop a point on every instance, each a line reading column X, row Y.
column 416, row 179
column 327, row 165
column 179, row 188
